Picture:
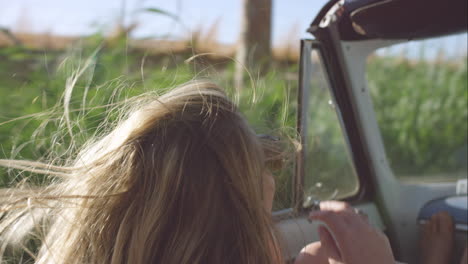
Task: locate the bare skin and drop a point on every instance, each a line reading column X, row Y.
column 437, row 243
column 312, row 253
column 354, row 241
column 268, row 190
column 464, row 259
column 437, row 240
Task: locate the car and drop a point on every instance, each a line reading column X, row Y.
column 400, row 160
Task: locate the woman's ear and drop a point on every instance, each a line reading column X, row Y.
column 268, row 190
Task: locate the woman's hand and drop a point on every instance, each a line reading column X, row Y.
column 350, row 238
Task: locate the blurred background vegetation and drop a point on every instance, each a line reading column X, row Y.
column 33, row 84
column 422, row 110
column 421, row 104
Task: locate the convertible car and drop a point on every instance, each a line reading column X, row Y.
column 382, row 115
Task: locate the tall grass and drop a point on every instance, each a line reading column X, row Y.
column 33, row 89
column 423, row 117
column 422, row 111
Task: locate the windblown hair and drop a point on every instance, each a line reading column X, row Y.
column 179, row 180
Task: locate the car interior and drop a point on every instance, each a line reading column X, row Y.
column 394, row 151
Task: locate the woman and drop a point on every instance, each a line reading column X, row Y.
column 182, row 179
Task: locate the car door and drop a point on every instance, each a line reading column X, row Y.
column 398, row 193
column 411, row 98
column 327, row 165
column 405, row 168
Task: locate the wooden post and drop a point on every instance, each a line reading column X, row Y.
column 254, row 47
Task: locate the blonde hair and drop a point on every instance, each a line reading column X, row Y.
column 179, row 180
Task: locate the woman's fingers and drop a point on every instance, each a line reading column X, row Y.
column 339, row 213
column 329, row 244
column 354, row 240
column 335, row 206
column 333, row 214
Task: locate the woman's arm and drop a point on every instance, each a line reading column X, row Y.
column 348, row 239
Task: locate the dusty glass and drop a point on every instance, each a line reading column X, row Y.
column 329, row 171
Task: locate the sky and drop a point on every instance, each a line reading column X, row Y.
column 81, row 17
column 290, row 18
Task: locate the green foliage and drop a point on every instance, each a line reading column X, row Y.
column 159, row 11
column 421, row 107
column 33, row 85
column 422, row 112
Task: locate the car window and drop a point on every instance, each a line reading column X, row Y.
column 329, row 171
column 419, row 90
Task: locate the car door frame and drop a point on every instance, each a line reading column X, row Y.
column 292, row 222
column 396, row 202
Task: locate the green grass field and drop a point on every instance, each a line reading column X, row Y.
column 423, row 117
